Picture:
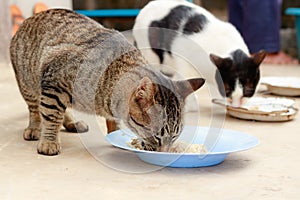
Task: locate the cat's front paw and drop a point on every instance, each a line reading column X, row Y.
column 31, row 134
column 49, row 148
column 79, row 127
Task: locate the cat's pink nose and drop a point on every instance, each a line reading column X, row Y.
column 237, row 102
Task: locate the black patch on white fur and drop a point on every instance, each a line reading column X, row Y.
column 162, row 32
column 194, row 24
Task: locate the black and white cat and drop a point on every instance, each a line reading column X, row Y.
column 182, row 35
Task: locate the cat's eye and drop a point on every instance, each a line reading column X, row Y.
column 139, row 124
column 158, row 140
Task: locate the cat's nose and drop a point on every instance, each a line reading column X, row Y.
column 237, row 102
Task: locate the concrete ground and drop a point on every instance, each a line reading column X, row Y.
column 269, row 171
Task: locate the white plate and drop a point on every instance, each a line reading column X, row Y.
column 282, row 117
column 263, row 109
column 284, row 86
column 222, row 143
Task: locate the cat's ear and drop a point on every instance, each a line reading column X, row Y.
column 259, row 57
column 141, row 100
column 145, row 92
column 221, row 63
column 186, row 87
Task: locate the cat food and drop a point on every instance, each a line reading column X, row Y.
column 178, row 147
column 186, row 147
column 268, row 105
column 135, row 144
column 262, row 105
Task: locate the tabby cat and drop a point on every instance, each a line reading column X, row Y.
column 63, row 59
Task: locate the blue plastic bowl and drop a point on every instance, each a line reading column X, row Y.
column 219, row 142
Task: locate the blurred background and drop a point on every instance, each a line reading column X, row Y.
column 217, row 7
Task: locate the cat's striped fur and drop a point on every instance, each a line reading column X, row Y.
column 63, row 59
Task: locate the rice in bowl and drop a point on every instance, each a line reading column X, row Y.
column 177, row 147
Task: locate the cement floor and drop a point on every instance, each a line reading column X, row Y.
column 268, row 171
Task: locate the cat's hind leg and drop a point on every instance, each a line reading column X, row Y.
column 32, row 132
column 72, row 126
